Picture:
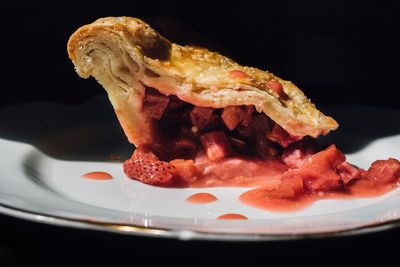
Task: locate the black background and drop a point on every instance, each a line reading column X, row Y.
column 337, row 52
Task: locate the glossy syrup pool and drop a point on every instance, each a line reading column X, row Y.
column 201, row 198
column 97, row 175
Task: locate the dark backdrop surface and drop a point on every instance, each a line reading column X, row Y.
column 337, row 52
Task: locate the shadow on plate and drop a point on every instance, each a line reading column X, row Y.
column 91, row 132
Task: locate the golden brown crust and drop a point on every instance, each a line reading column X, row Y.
column 124, row 54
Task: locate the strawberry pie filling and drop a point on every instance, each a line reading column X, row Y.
column 198, row 146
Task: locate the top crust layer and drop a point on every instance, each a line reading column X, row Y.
column 125, row 54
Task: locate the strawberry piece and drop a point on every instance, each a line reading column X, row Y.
column 383, row 171
column 216, row 145
column 363, row 187
column 174, row 118
column 154, row 103
column 201, row 116
column 213, row 124
column 183, row 147
column 290, row 188
column 144, row 152
column 279, row 135
column 325, row 163
column 347, row 172
column 263, row 147
column 244, row 132
column 261, row 124
column 281, row 192
column 186, row 170
column 295, row 154
column 150, row 172
column 296, row 182
column 176, row 103
column 258, row 124
column 293, row 157
column 232, row 116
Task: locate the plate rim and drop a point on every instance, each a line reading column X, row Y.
column 132, row 229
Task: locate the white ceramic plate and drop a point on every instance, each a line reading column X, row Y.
column 45, row 148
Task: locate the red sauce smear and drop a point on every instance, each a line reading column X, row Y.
column 232, row 216
column 97, row 176
column 259, row 198
column 201, row 198
column 324, row 175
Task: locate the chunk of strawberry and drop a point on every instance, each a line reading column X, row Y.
column 383, row 171
column 294, row 181
column 176, row 103
column 144, row 152
column 201, row 116
column 173, row 119
column 150, row 172
column 213, row 124
column 319, row 170
column 232, row 116
column 293, row 157
column 295, row 154
column 283, row 191
column 258, row 124
column 244, row 132
column 154, row 103
column 263, row 147
column 290, row 188
column 186, row 171
column 347, row 172
column 183, row 147
column 261, row 123
column 216, row 145
column 279, row 135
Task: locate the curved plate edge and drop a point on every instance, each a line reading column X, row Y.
column 185, row 234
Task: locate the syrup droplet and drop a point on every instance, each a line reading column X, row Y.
column 201, row 198
column 232, row 216
column 97, row 176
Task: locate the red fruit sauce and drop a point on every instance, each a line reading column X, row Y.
column 232, row 216
column 238, row 147
column 201, row 198
column 97, row 176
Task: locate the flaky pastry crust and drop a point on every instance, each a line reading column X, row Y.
column 125, row 54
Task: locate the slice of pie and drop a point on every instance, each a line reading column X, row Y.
column 128, row 57
column 199, row 117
